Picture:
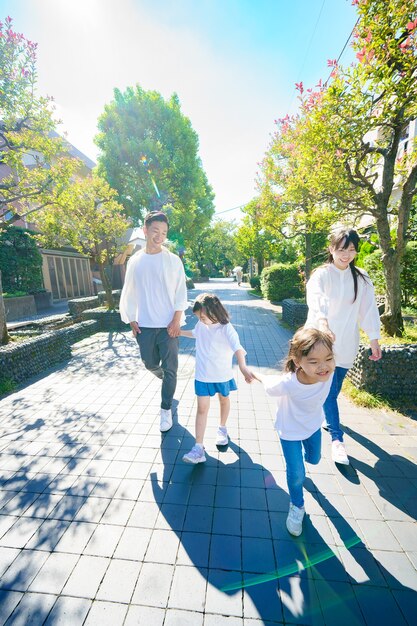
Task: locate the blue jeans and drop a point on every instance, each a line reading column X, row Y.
column 331, row 410
column 296, row 473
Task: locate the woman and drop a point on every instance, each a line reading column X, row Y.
column 341, row 299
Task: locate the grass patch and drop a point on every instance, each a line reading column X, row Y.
column 255, row 292
column 371, row 401
column 6, row 386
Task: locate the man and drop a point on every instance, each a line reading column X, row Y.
column 153, row 301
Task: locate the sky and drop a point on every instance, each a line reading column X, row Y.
column 233, row 64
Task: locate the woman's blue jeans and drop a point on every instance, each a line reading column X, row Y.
column 296, row 473
column 331, row 409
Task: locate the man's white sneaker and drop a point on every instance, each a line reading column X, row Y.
column 222, row 438
column 195, row 455
column 295, row 520
column 166, row 420
column 339, row 453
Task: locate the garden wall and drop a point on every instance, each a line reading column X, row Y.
column 21, row 360
column 78, row 305
column 393, row 377
column 107, row 320
column 22, row 306
column 294, row 313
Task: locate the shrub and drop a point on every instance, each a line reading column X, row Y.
column 255, row 283
column 372, row 263
column 20, row 261
column 280, row 281
column 409, row 274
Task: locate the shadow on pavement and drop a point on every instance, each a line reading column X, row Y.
column 230, row 520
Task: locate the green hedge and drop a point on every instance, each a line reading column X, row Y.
column 20, row 261
column 280, row 281
column 255, row 282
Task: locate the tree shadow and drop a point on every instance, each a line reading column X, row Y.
column 393, row 474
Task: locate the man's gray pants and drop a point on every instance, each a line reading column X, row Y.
column 159, row 354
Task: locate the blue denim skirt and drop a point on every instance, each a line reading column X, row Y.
column 210, row 389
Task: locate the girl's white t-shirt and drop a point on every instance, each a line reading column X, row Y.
column 300, row 407
column 215, row 347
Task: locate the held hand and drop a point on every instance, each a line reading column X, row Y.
column 324, row 327
column 376, row 350
column 135, row 328
column 174, row 328
column 248, row 375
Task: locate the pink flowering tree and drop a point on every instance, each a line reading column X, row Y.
column 33, row 166
column 363, row 120
column 349, row 151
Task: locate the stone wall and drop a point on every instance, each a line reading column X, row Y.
column 393, row 377
column 78, row 305
column 22, row 306
column 294, row 313
column 116, row 296
column 22, row 360
column 108, row 320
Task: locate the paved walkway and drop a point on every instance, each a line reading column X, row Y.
column 101, row 523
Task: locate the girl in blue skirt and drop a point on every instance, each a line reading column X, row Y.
column 216, row 343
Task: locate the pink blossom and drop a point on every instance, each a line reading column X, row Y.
column 299, row 87
column 331, row 62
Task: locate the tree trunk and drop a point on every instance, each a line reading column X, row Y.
column 307, row 241
column 4, row 337
column 107, row 287
column 392, row 320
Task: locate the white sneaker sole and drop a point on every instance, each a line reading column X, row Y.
column 186, row 460
column 295, row 533
column 222, row 442
column 341, row 462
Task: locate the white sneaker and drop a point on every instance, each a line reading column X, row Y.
column 166, row 420
column 339, row 453
column 195, row 455
column 222, row 438
column 295, row 520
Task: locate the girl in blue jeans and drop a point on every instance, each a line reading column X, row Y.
column 301, row 391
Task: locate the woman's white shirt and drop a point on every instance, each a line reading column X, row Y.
column 330, row 294
column 300, row 407
column 215, row 347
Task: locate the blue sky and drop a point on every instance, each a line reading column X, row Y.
column 233, row 64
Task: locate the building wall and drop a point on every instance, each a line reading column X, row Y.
column 66, row 274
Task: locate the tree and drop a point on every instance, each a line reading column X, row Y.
column 253, row 241
column 291, row 204
column 362, row 119
column 92, row 225
column 214, row 249
column 149, row 154
column 33, row 166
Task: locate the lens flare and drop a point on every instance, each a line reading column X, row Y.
column 293, row 568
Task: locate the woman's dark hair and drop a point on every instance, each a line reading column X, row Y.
column 155, row 216
column 341, row 239
column 301, row 345
column 211, row 306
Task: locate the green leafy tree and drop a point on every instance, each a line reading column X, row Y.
column 290, row 202
column 362, row 120
column 214, row 249
column 93, row 224
column 253, row 241
column 34, row 168
column 149, row 154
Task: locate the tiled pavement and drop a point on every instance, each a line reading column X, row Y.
column 102, row 524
